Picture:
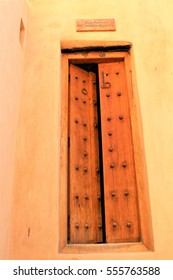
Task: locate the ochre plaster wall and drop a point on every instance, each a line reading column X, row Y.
column 11, row 72
column 148, row 25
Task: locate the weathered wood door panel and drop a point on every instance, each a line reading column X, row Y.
column 120, row 192
column 84, row 178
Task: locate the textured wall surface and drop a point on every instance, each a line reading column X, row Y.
column 11, row 72
column 148, row 25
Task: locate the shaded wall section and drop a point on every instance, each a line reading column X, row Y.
column 11, row 73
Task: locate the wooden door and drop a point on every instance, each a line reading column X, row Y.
column 101, row 208
column 85, row 217
column 120, row 192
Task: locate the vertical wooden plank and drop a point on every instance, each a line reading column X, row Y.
column 121, row 202
column 83, row 183
column 95, row 159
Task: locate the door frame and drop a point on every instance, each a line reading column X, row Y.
column 86, row 55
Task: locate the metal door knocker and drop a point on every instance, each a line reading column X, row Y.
column 105, row 84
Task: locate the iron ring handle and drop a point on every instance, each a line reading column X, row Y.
column 106, row 85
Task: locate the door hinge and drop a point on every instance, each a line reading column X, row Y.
column 68, row 141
